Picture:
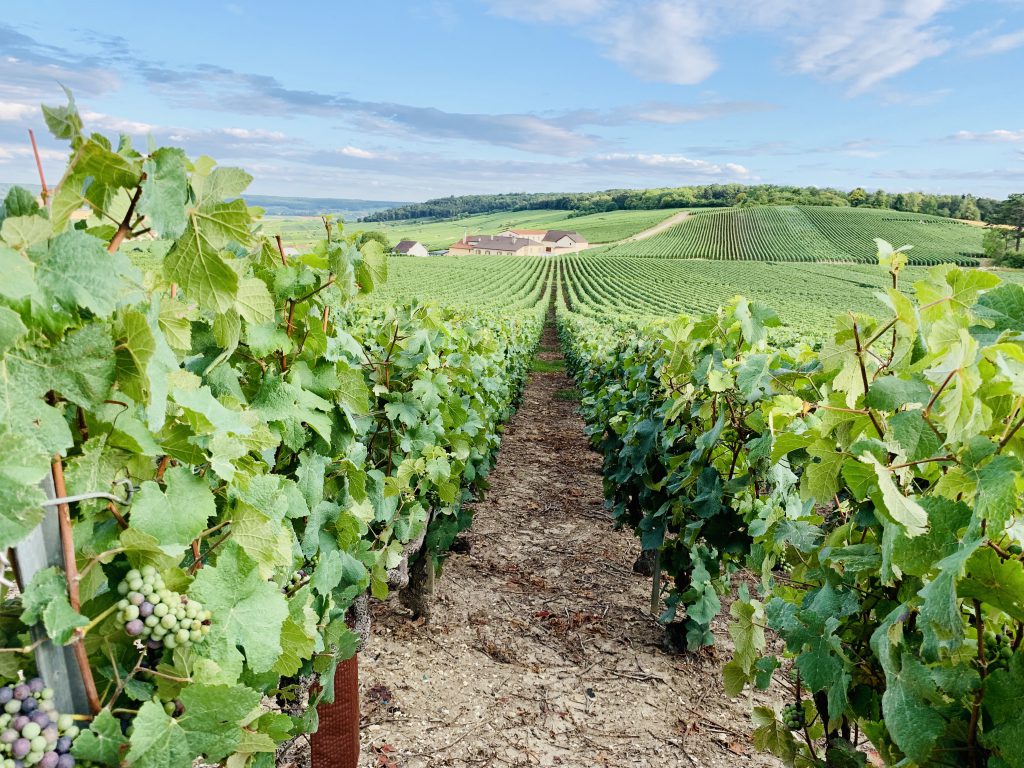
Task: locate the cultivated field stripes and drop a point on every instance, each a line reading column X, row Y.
column 503, row 282
column 808, row 234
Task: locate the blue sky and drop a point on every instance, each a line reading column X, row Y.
column 410, row 100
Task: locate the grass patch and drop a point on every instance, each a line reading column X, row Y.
column 547, row 366
column 571, row 395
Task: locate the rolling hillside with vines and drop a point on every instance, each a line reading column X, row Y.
column 809, row 233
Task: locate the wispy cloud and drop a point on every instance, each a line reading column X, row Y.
column 857, row 45
column 998, row 136
column 999, row 43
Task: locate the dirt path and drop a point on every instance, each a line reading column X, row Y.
column 539, row 651
column 658, row 228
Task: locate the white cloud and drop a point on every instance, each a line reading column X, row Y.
column 14, row 111
column 998, row 136
column 250, row 134
column 862, row 44
column 1001, row 43
column 660, row 41
column 640, row 162
column 855, row 44
column 363, row 154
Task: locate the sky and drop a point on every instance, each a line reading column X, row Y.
column 405, row 100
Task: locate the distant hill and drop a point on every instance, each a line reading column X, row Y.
column 314, row 206
column 350, row 209
column 809, row 233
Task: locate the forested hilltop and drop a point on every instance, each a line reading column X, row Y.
column 964, row 206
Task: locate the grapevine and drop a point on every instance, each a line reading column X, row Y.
column 286, row 432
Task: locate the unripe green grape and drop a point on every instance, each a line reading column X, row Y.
column 160, row 610
column 168, row 621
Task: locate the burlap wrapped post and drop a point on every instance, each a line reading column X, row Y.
column 336, row 742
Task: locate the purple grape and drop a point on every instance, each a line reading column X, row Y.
column 40, row 718
column 6, row 694
column 50, row 733
column 49, row 760
column 146, row 609
column 154, row 645
column 19, row 722
column 22, row 691
column 136, row 598
column 134, row 627
column 29, row 705
column 19, row 764
column 65, row 761
column 36, row 684
column 20, row 748
column 9, row 736
column 64, row 744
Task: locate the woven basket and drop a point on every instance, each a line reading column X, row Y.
column 336, row 742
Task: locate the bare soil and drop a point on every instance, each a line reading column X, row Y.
column 540, row 650
column 657, row 229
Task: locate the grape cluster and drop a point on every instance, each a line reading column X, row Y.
column 296, row 580
column 159, row 615
column 793, row 717
column 998, row 649
column 31, row 731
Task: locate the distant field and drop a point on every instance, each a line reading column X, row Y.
column 806, row 296
column 597, row 227
column 809, row 233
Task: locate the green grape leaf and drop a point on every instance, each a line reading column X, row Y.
column 213, row 717
column 165, row 192
column 46, row 600
column 995, row 582
column 11, row 328
column 248, row 611
column 372, row 270
column 20, row 232
column 76, row 270
column 177, row 517
column 102, row 742
column 821, row 475
column 911, row 707
column 1004, row 705
column 891, row 393
column 158, row 741
column 19, row 275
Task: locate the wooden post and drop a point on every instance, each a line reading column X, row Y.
column 656, row 585
column 56, row 663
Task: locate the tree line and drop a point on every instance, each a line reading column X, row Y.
column 964, row 206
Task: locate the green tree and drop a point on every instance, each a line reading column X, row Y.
column 880, row 199
column 1011, row 213
column 857, row 197
column 998, row 244
column 967, row 209
column 380, row 237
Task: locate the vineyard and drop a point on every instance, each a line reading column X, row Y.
column 236, row 450
column 809, row 233
column 870, row 486
column 437, row 235
column 226, row 473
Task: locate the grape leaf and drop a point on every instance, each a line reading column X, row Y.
column 102, row 742
column 165, row 192
column 177, row 517
column 46, row 600
column 248, row 611
column 158, row 741
column 213, row 717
